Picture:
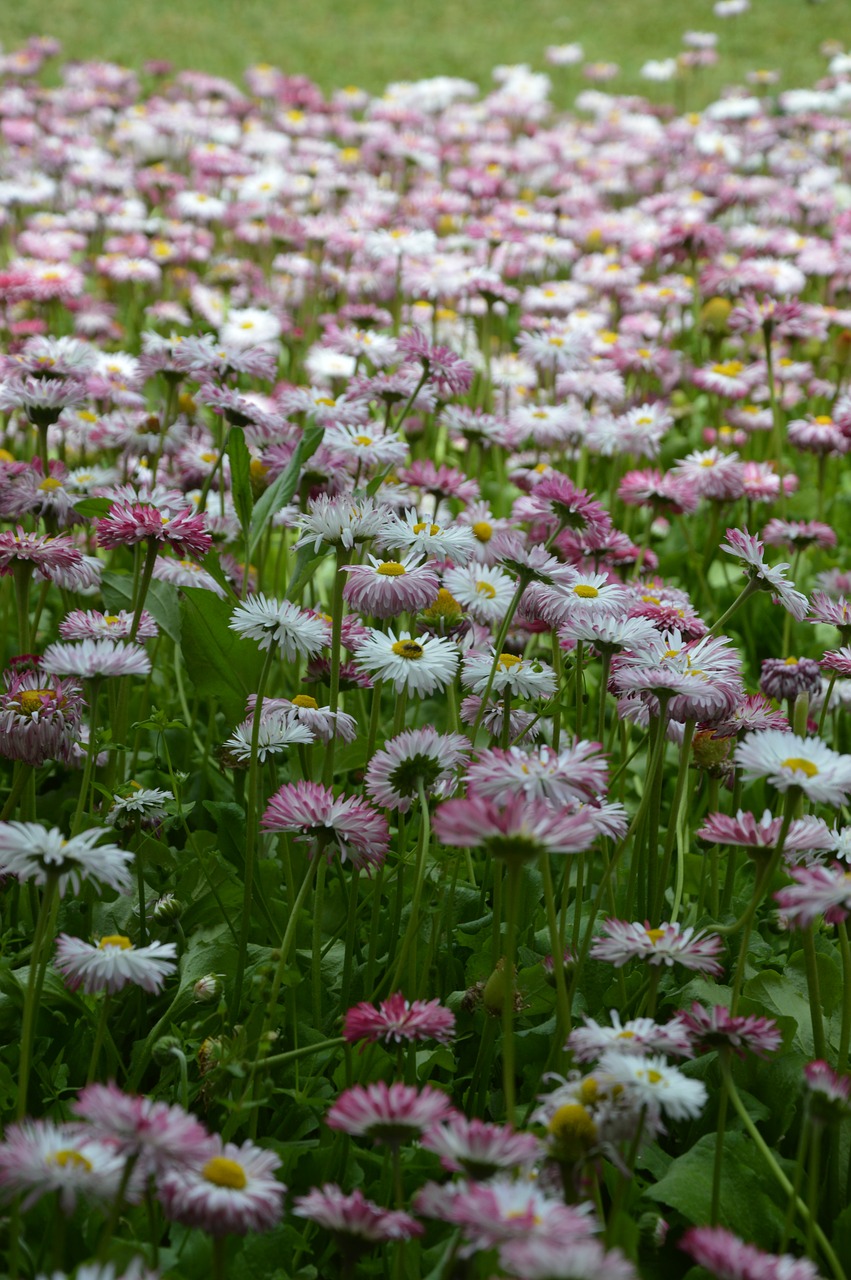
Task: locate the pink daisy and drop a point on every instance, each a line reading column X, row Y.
column 397, row 1020
column 229, row 1190
column 716, row 1028
column 125, row 525
column 520, row 829
column 344, row 824
column 386, row 588
column 726, row 1257
column 388, row 1113
column 353, row 1218
column 416, row 756
column 160, row 1136
column 477, row 1149
column 669, row 944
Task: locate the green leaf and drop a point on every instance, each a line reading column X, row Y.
column 751, row 1205
column 212, row 564
column 306, row 564
column 222, row 666
column 281, row 490
column 240, row 475
column 94, row 508
column 161, row 600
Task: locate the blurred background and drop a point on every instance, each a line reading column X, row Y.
column 369, row 43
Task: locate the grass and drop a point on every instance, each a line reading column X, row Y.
column 371, row 42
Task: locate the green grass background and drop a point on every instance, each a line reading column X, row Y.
column 371, row 42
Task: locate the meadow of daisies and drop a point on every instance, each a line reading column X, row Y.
column 424, row 765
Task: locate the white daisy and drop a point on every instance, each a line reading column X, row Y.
column 278, row 730
column 522, row 677
column 91, row 658
column 419, row 665
column 280, row 622
column 417, row 532
column 789, row 761
column 342, row 520
column 486, row 593
column 113, row 963
column 656, row 1086
column 30, row 852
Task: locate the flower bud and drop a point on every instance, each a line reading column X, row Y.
column 207, row 988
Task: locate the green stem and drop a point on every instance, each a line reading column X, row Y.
column 522, row 583
column 147, row 575
column 723, row 1102
column 98, row 1041
column 35, row 981
column 676, row 813
column 219, row 1268
column 845, row 1031
column 316, row 939
column 752, row 587
column 514, row 871
column 251, row 827
column 811, row 967
column 779, row 1176
column 286, row 944
column 342, row 559
column 409, row 941
column 557, row 949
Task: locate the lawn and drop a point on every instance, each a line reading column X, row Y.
column 372, row 42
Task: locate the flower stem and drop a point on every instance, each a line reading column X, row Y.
column 745, row 594
column 811, row 967
column 342, row 559
column 35, row 981
column 98, row 1041
column 514, row 870
column 557, row 949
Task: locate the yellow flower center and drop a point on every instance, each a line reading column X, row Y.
column 70, row 1159
column 824, row 420
column 423, row 524
column 729, row 369
column 572, row 1122
column 49, row 484
column 116, row 940
column 588, row 1090
column 791, row 662
column 32, row 700
column 485, row 589
column 483, row 531
column 363, row 440
column 305, row 700
column 508, row 660
column 655, row 935
column 111, row 619
column 585, row 591
column 707, row 462
column 654, row 1077
column 408, row 649
column 391, row 569
column 224, row 1173
column 799, row 765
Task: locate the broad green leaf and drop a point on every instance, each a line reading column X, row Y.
column 240, row 475
column 222, row 666
column 751, row 1204
column 280, row 491
column 161, row 600
column 94, row 508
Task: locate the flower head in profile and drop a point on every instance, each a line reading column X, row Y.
column 114, row 963
column 40, row 717
column 31, row 852
column 38, row 1157
column 479, row 1150
column 387, row 1113
column 786, row 760
column 670, row 944
column 354, row 1220
column 519, row 829
column 414, row 758
column 345, row 824
column 726, row 1257
column 280, row 622
column 127, row 524
column 91, row 659
column 748, row 548
column 157, row 1135
column 717, row 1028
column 399, row 1021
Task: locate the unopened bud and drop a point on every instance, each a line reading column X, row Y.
column 208, row 988
column 165, row 1049
column 167, row 909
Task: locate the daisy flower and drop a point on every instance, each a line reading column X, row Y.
column 522, row 725
column 40, row 717
column 91, row 625
column 492, row 1213
column 521, row 677
column 387, row 1113
column 346, row 824
column 726, row 1257
column 90, row 659
column 455, row 542
column 30, row 852
column 148, row 805
column 232, row 1192
column 748, row 548
column 398, row 1021
column 784, row 678
column 589, row 595
column 342, row 520
column 278, row 730
column 716, row 1028
column 420, row 665
column 575, row 773
column 485, row 592
column 805, row 835
column 185, row 573
column 477, row 1149
column 113, row 963
column 54, row 558
column 640, row 1036
column 660, row 1088
column 158, row 1135
column 323, row 723
column 582, row 1259
column 416, row 756
column 829, row 1092
column 38, row 1157
column 518, row 829
column 386, row 588
column 279, row 622
column 668, row 945
column 786, row 760
column 353, row 1218
column 127, row 524
column 817, row 891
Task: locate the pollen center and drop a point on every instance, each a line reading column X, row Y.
column 655, row 935
column 391, row 569
column 483, row 531
column 485, row 589
column 408, row 649
column 116, row 940
column 585, row 591
column 799, row 765
column 305, row 700
column 70, row 1159
column 224, row 1173
column 32, row 700
column 433, row 529
column 507, row 661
